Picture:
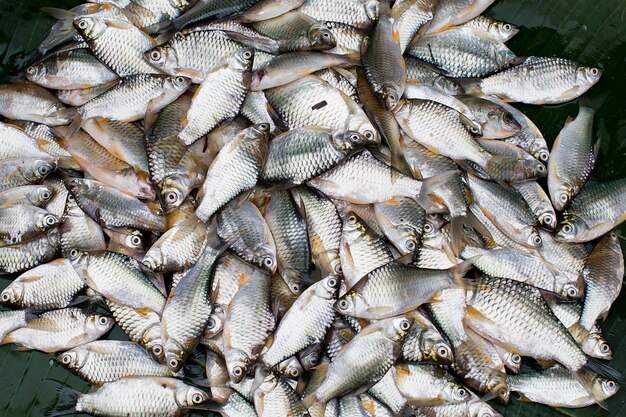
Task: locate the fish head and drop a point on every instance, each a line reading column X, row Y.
column 46, row 221
column 12, row 295
column 238, row 366
column 152, row 341
column 290, row 368
column 609, row 387
column 328, row 287
column 569, row 289
column 309, row 357
column 215, row 324
column 455, row 393
column 79, row 259
column 548, row 219
column 242, row 60
column 265, row 257
column 321, row 37
column 175, row 355
column 505, row 122
column 98, row 324
column 479, row 408
column 90, row 27
column 438, row 350
column 360, row 123
column 215, row 369
column 349, row 304
column 540, row 152
column 588, row 76
column 41, row 195
column 348, row 140
column 36, row 72
column 503, row 30
column 533, row 239
column 497, row 385
column 371, row 9
column 513, row 361
column 162, row 57
column 133, row 241
column 595, row 345
column 398, row 327
column 39, row 170
column 178, row 83
column 172, row 193
column 571, row 227
column 562, row 195
column 448, row 86
column 390, row 95
column 73, row 359
column 190, row 397
column 153, row 260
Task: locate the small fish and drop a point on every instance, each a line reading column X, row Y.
column 296, row 31
column 21, row 257
column 356, row 13
column 572, row 159
column 28, row 101
column 57, row 330
column 45, row 287
column 456, row 12
column 538, row 201
column 427, row 384
column 541, row 81
column 36, row 195
column 424, row 343
column 22, row 222
column 502, row 31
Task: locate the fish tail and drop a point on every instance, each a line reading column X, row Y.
column 310, row 400
column 458, row 272
column 428, row 197
column 457, row 240
column 67, row 399
column 72, row 114
column 601, row 368
column 60, row 14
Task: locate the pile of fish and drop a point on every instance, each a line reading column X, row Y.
column 329, row 204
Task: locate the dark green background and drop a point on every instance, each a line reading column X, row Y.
column 590, row 31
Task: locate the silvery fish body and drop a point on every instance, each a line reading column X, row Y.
column 80, row 231
column 24, row 222
column 18, row 258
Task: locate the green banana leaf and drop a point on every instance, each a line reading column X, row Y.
column 592, row 32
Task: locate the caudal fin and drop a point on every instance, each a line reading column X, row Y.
column 67, row 399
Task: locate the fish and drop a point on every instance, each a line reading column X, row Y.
column 454, row 12
column 375, row 348
column 104, row 205
column 415, row 14
column 596, row 210
column 304, row 153
column 24, row 256
column 276, row 397
column 572, row 159
column 187, row 310
column 495, row 121
column 229, row 82
column 28, row 101
column 71, row 70
column 35, row 195
column 539, row 202
column 296, row 31
column 57, row 330
column 236, row 168
column 558, row 387
column 502, row 31
column 45, row 287
column 268, row 9
column 553, row 81
column 356, row 13
column 385, row 71
column 11, row 320
column 426, row 384
column 161, row 397
column 103, row 361
column 463, row 52
column 24, row 222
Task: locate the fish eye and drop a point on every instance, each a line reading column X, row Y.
column 197, row 398
column 247, row 54
column 268, row 262
column 332, row 282
column 103, row 320
column 461, row 392
column 355, row 138
column 155, row 55
column 543, row 156
column 537, row 240
column 547, row 219
column 594, row 71
column 516, row 359
column 343, row 304
column 409, row 244
column 338, row 269
column 50, row 221
column 31, row 70
column 474, row 130
column 74, row 254
column 46, row 195
column 173, row 363
column 428, row 228
column 507, row 27
column 605, row 348
column 157, row 350
column 6, row 296
column 405, row 325
column 180, row 80
column 211, row 323
column 135, row 240
column 326, row 35
column 82, row 24
column 442, row 351
column 71, row 198
column 572, row 292
column 171, row 197
column 368, row 134
column 44, row 170
column 294, row 372
column 541, row 168
column 313, row 361
column 295, row 288
column 563, row 198
column 567, row 229
column 610, row 384
column 352, row 219
column 264, row 127
column 66, row 359
column 237, row 371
